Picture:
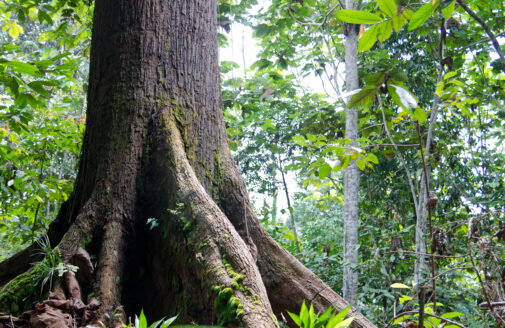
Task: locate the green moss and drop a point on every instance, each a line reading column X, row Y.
column 20, row 293
column 187, row 225
column 238, row 279
column 228, row 307
column 86, row 241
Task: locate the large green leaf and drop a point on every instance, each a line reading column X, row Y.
column 21, row 67
column 364, row 97
column 388, row 7
column 357, row 17
column 406, row 98
column 385, row 29
column 368, row 39
column 324, row 170
column 451, row 315
column 398, row 22
column 421, row 15
column 447, row 11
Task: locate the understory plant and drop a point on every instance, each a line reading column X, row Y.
column 308, row 319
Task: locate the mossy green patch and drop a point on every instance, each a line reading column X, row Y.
column 238, row 279
column 22, row 292
column 228, row 307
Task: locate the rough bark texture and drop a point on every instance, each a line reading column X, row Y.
column 351, row 174
column 155, row 150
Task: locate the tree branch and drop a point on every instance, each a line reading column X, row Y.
column 486, row 28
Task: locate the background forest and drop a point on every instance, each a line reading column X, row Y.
column 431, row 112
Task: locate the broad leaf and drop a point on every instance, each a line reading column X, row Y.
column 361, row 164
column 421, row 15
column 398, row 22
column 447, row 11
column 406, row 98
column 420, row 115
column 357, row 17
column 385, row 29
column 23, row 68
column 324, row 170
column 368, row 39
column 388, row 7
column 364, row 97
column 399, row 285
column 372, row 158
column 449, row 315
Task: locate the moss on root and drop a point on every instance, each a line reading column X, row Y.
column 22, row 292
column 228, row 307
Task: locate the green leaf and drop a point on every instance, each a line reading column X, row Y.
column 439, row 90
column 398, row 285
column 368, row 39
column 304, row 315
column 385, row 29
column 21, row 67
column 450, row 74
column 388, row 7
column 372, row 158
column 321, row 320
column 345, row 323
column 407, row 13
column 364, row 97
column 357, row 17
column 376, row 79
column 361, row 164
column 406, row 98
column 447, row 11
column 420, row 115
column 324, row 170
column 262, row 30
column 422, row 15
column 299, row 140
column 45, row 16
column 15, row 29
column 398, row 22
column 38, row 86
column 401, row 319
column 168, row 322
column 142, row 319
column 449, row 315
column 296, row 319
column 268, row 126
column 338, row 317
column 435, row 322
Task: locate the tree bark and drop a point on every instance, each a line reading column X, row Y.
column 155, row 150
column 351, row 174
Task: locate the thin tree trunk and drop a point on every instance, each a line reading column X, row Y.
column 290, row 208
column 351, row 174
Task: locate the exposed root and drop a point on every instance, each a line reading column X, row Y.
column 84, row 226
column 288, row 282
column 110, row 267
column 221, row 258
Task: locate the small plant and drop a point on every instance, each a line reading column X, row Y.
column 51, row 263
column 141, row 322
column 308, row 319
column 152, row 223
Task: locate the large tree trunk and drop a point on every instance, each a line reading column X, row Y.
column 155, row 148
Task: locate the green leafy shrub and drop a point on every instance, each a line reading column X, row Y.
column 308, row 319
